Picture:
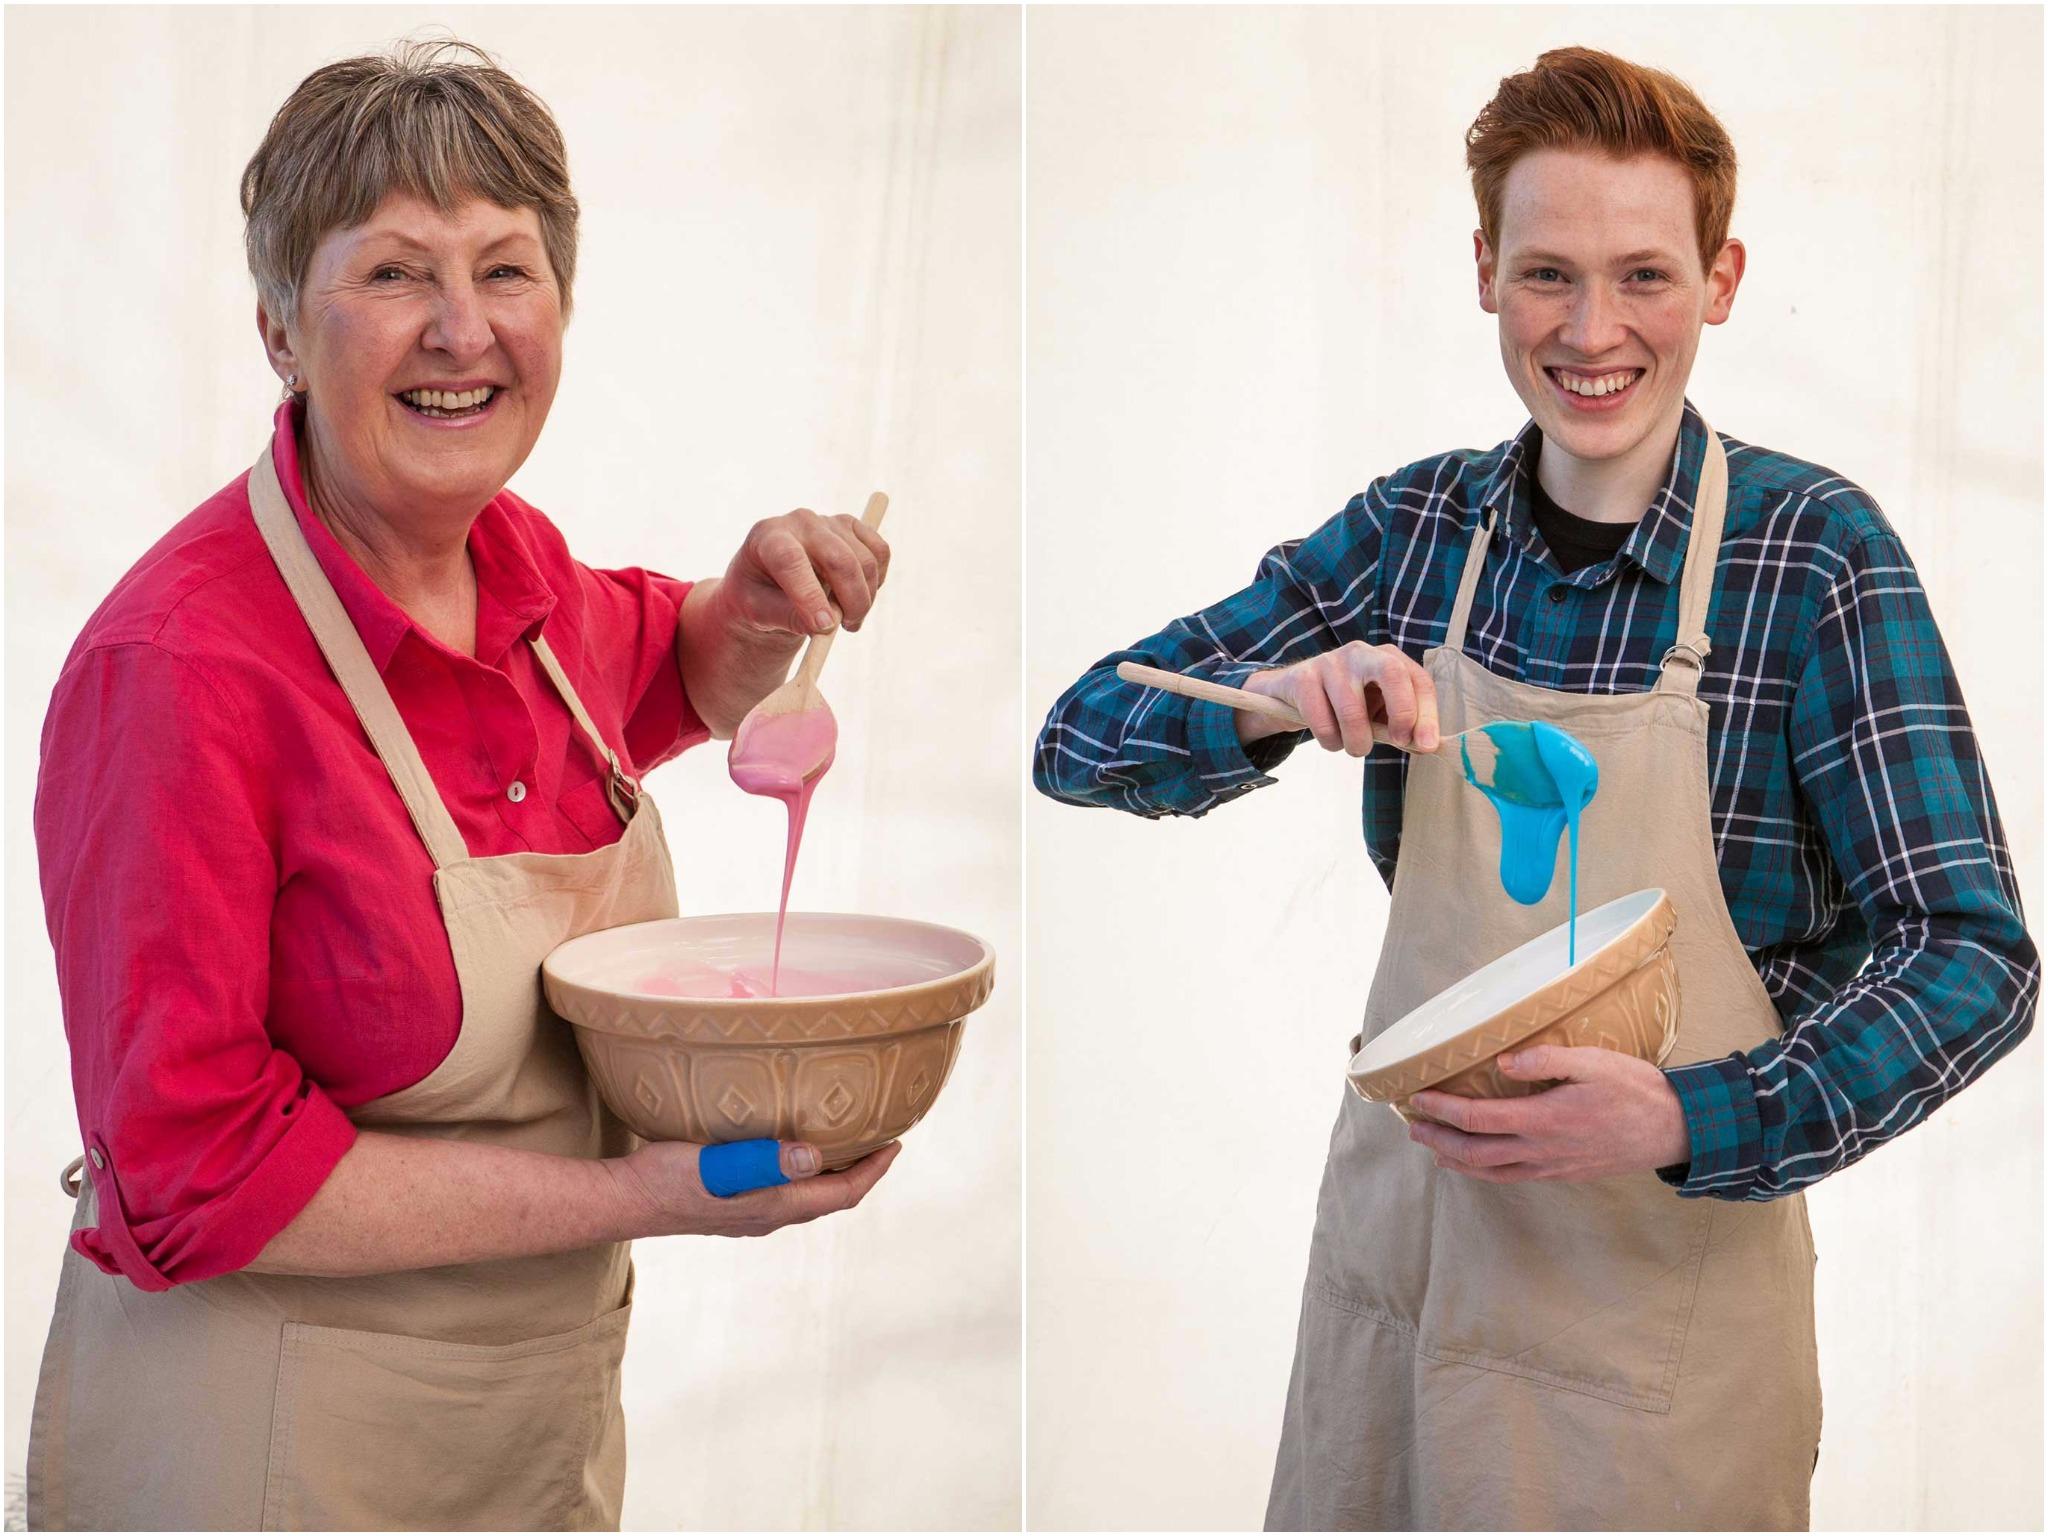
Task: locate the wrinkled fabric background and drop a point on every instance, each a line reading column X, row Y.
column 1250, row 288
column 798, row 282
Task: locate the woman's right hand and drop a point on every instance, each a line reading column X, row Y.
column 661, row 1179
column 1341, row 692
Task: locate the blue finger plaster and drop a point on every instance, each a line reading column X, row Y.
column 738, row 1166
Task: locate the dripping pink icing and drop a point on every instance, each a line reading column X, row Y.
column 771, row 756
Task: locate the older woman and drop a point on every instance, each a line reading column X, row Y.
column 329, row 772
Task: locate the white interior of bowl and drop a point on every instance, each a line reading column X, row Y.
column 1499, row 985
column 894, row 952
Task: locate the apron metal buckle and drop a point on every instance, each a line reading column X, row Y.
column 1693, row 655
column 623, row 786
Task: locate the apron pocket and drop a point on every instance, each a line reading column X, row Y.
column 1585, row 1286
column 378, row 1431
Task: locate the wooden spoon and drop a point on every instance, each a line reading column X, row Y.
column 780, row 759
column 1488, row 752
column 1238, row 698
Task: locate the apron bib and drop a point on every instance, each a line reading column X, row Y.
column 464, row 1397
column 1554, row 1355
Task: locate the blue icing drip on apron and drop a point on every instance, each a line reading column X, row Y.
column 1543, row 778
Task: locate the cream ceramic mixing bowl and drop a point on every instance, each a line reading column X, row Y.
column 1623, row 995
column 847, row 1072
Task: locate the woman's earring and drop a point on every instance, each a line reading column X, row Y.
column 291, row 387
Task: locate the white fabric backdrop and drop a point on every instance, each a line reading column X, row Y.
column 1249, row 288
column 799, row 281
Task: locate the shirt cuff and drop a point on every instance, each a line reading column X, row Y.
column 230, row 1232
column 1719, row 1100
column 1225, row 766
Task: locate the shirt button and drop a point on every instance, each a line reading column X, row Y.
column 1557, row 594
column 516, row 793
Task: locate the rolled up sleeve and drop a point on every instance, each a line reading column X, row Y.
column 155, row 840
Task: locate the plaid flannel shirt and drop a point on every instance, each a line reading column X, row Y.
column 1859, row 847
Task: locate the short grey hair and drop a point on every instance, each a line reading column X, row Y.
column 437, row 119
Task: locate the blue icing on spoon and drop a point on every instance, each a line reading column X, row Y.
column 1539, row 779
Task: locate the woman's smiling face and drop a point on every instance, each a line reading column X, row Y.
column 1601, row 296
column 414, row 299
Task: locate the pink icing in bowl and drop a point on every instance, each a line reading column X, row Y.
column 847, row 1069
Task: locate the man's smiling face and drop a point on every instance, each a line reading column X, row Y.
column 1601, row 296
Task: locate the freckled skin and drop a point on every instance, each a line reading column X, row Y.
column 1598, row 270
column 415, row 297
column 1568, row 294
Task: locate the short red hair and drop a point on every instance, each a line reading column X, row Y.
column 1581, row 98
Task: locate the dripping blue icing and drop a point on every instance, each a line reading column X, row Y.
column 1543, row 777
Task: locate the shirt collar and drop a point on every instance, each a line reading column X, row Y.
column 512, row 600
column 1659, row 542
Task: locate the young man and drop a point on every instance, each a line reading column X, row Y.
column 1521, row 1313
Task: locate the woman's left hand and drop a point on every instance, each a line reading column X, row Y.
column 801, row 574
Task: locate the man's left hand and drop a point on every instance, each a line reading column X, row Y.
column 1610, row 1113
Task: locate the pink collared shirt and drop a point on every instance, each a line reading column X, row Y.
column 246, row 937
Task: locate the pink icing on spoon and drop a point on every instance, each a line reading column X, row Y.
column 783, row 757
column 785, row 744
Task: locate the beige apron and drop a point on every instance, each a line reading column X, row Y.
column 469, row 1396
column 1554, row 1355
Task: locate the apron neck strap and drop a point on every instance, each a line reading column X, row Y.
column 351, row 664
column 1680, row 670
column 1468, row 580
column 620, row 787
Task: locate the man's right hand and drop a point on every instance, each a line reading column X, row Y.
column 1351, row 697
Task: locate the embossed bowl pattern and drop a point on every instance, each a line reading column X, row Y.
column 848, row 1073
column 1623, row 995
